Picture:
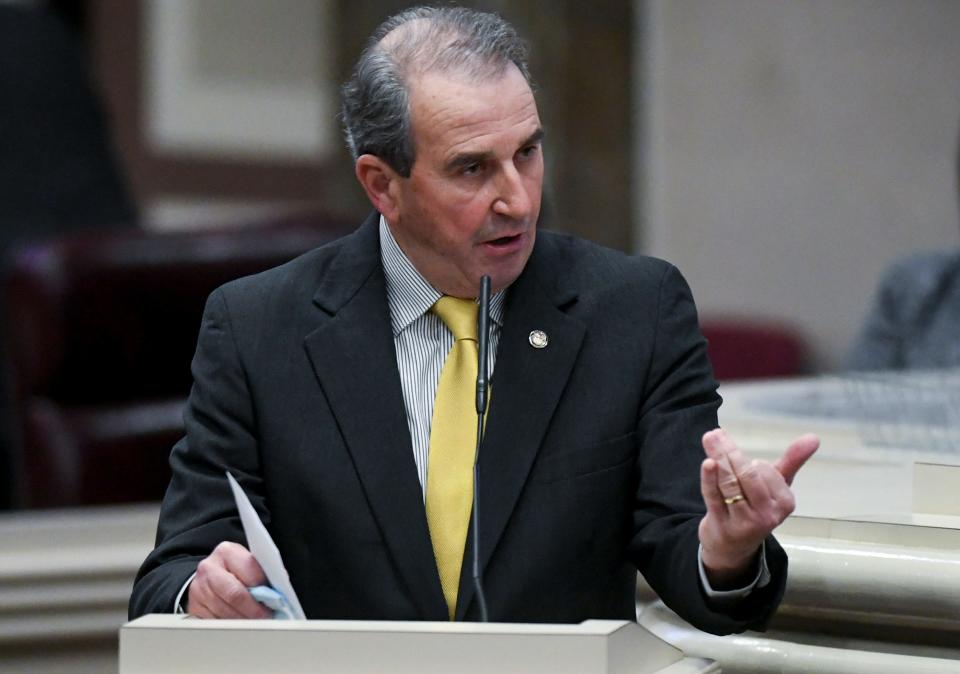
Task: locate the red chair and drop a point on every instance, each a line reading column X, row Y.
column 752, row 348
column 101, row 331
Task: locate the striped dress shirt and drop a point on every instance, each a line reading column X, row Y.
column 422, row 341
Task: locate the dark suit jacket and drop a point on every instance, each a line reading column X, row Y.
column 589, row 469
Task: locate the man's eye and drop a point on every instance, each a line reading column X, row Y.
column 529, row 151
column 471, row 169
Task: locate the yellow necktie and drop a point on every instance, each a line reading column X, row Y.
column 453, row 439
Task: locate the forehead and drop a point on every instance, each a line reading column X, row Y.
column 451, row 113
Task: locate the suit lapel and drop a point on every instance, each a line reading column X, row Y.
column 354, row 359
column 527, row 385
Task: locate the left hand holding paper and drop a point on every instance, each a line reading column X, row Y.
column 219, row 590
column 265, row 552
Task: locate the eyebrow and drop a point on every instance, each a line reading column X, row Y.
column 468, row 158
column 533, row 138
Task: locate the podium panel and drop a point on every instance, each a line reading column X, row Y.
column 167, row 643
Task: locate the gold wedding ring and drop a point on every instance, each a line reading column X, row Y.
column 733, row 499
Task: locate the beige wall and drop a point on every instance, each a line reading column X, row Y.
column 793, row 147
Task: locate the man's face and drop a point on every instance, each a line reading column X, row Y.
column 471, row 203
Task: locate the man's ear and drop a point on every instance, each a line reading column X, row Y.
column 381, row 183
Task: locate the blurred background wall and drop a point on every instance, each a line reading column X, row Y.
column 792, row 148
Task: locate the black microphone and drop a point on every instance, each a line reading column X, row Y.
column 483, row 344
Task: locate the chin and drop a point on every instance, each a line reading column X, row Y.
column 501, row 279
column 505, row 269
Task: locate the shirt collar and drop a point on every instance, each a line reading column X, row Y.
column 409, row 294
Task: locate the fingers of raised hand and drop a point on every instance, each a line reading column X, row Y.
column 717, row 443
column 219, row 590
column 720, row 448
column 709, row 486
column 755, row 491
column 771, row 500
column 797, row 454
column 746, row 500
column 737, row 477
column 755, row 478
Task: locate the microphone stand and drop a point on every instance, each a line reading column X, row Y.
column 483, row 339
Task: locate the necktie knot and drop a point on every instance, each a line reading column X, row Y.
column 459, row 315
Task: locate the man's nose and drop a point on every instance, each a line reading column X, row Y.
column 511, row 199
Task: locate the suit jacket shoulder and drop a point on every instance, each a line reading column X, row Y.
column 593, row 266
column 329, row 275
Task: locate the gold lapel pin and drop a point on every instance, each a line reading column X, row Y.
column 538, row 339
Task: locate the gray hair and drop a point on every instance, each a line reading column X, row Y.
column 376, row 98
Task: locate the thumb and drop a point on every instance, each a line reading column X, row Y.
column 797, row 454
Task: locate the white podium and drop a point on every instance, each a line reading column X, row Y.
column 168, row 643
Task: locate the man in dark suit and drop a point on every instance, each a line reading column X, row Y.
column 316, row 385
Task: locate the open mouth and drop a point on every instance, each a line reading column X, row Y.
column 504, row 241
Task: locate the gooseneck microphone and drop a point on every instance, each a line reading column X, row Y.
column 483, row 343
column 483, row 376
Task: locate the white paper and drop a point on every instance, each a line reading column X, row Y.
column 264, row 549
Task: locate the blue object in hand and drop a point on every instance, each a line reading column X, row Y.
column 273, row 600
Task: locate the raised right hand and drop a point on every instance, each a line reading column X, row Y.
column 219, row 590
